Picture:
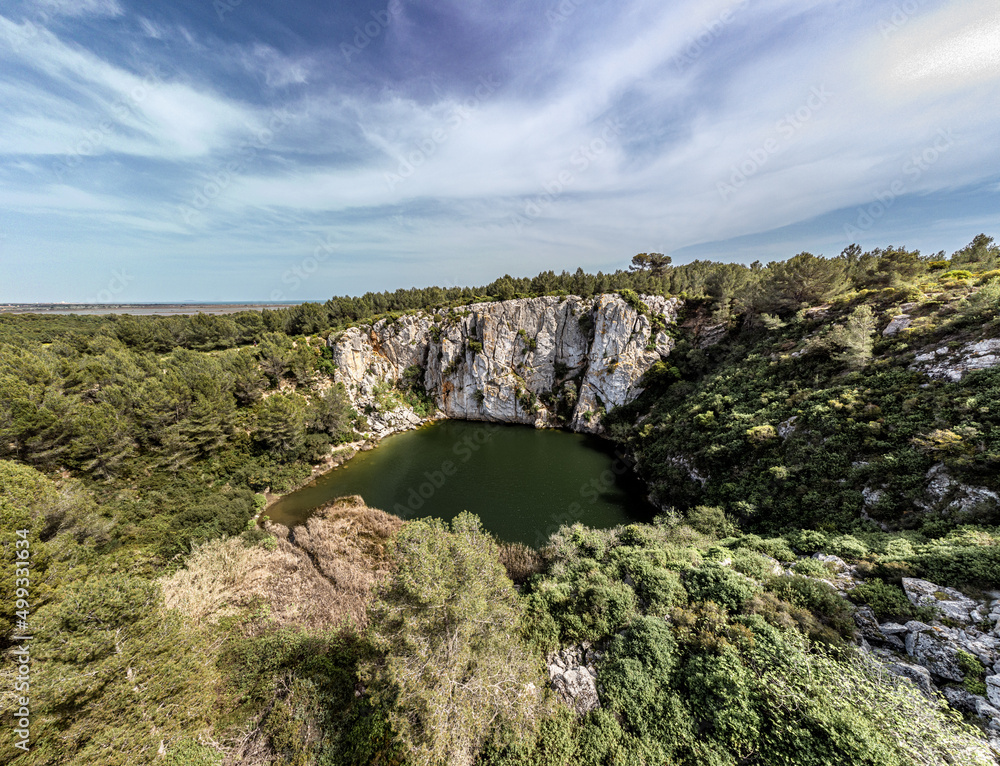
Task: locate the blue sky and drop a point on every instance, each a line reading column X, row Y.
column 248, row 149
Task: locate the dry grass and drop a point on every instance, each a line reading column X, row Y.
column 319, row 575
column 520, row 561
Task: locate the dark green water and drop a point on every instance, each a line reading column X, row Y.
column 523, row 483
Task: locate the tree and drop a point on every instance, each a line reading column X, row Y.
column 804, row 279
column 855, row 338
column 455, row 664
column 281, row 423
column 655, row 263
column 332, row 412
column 981, row 253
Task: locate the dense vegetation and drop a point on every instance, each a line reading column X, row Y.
column 135, row 451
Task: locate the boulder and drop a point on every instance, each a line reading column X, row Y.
column 952, row 603
column 962, row 699
column 892, row 628
column 937, row 655
column 993, row 690
column 915, row 673
column 573, row 675
column 868, row 626
column 898, row 323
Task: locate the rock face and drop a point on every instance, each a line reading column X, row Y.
column 540, row 361
column 937, row 656
column 573, row 675
column 943, row 363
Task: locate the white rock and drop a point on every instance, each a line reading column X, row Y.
column 898, row 323
column 993, row 690
column 525, row 343
column 952, row 603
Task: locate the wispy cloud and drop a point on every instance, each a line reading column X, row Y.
column 418, row 149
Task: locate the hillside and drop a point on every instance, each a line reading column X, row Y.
column 822, row 585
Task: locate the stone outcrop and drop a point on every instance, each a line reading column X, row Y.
column 930, row 654
column 572, row 673
column 948, row 365
column 540, row 361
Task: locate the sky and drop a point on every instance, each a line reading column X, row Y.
column 226, row 150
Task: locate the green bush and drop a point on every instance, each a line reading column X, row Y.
column 813, row 568
column 887, row 601
column 719, row 584
column 821, row 598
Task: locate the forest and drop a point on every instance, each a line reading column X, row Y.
column 138, row 452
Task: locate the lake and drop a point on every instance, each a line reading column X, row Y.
column 523, row 483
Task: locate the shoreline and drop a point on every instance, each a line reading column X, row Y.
column 350, row 450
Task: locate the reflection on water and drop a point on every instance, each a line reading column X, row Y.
column 522, row 482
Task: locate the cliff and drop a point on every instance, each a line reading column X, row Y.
column 541, row 361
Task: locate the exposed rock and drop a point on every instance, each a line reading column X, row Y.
column 915, row 673
column 897, row 324
column 937, row 655
column 508, row 361
column 943, row 364
column 892, row 628
column 573, row 675
column 985, row 710
column 868, row 626
column 993, row 690
column 950, row 495
column 952, row 603
column 712, row 335
column 787, row 427
column 961, row 699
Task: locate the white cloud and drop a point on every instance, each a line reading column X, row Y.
column 145, row 115
column 82, row 7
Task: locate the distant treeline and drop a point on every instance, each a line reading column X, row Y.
column 780, row 287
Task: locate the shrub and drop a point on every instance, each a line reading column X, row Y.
column 956, row 275
column 974, row 672
column 761, row 434
column 819, row 597
column 752, row 564
column 725, row 587
column 634, row 301
column 887, row 601
column 636, row 681
column 450, row 610
column 813, row 568
column 847, row 546
column 710, row 520
column 809, row 541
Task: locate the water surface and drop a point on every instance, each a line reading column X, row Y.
column 522, row 482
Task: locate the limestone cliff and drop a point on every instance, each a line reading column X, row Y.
column 540, row 361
